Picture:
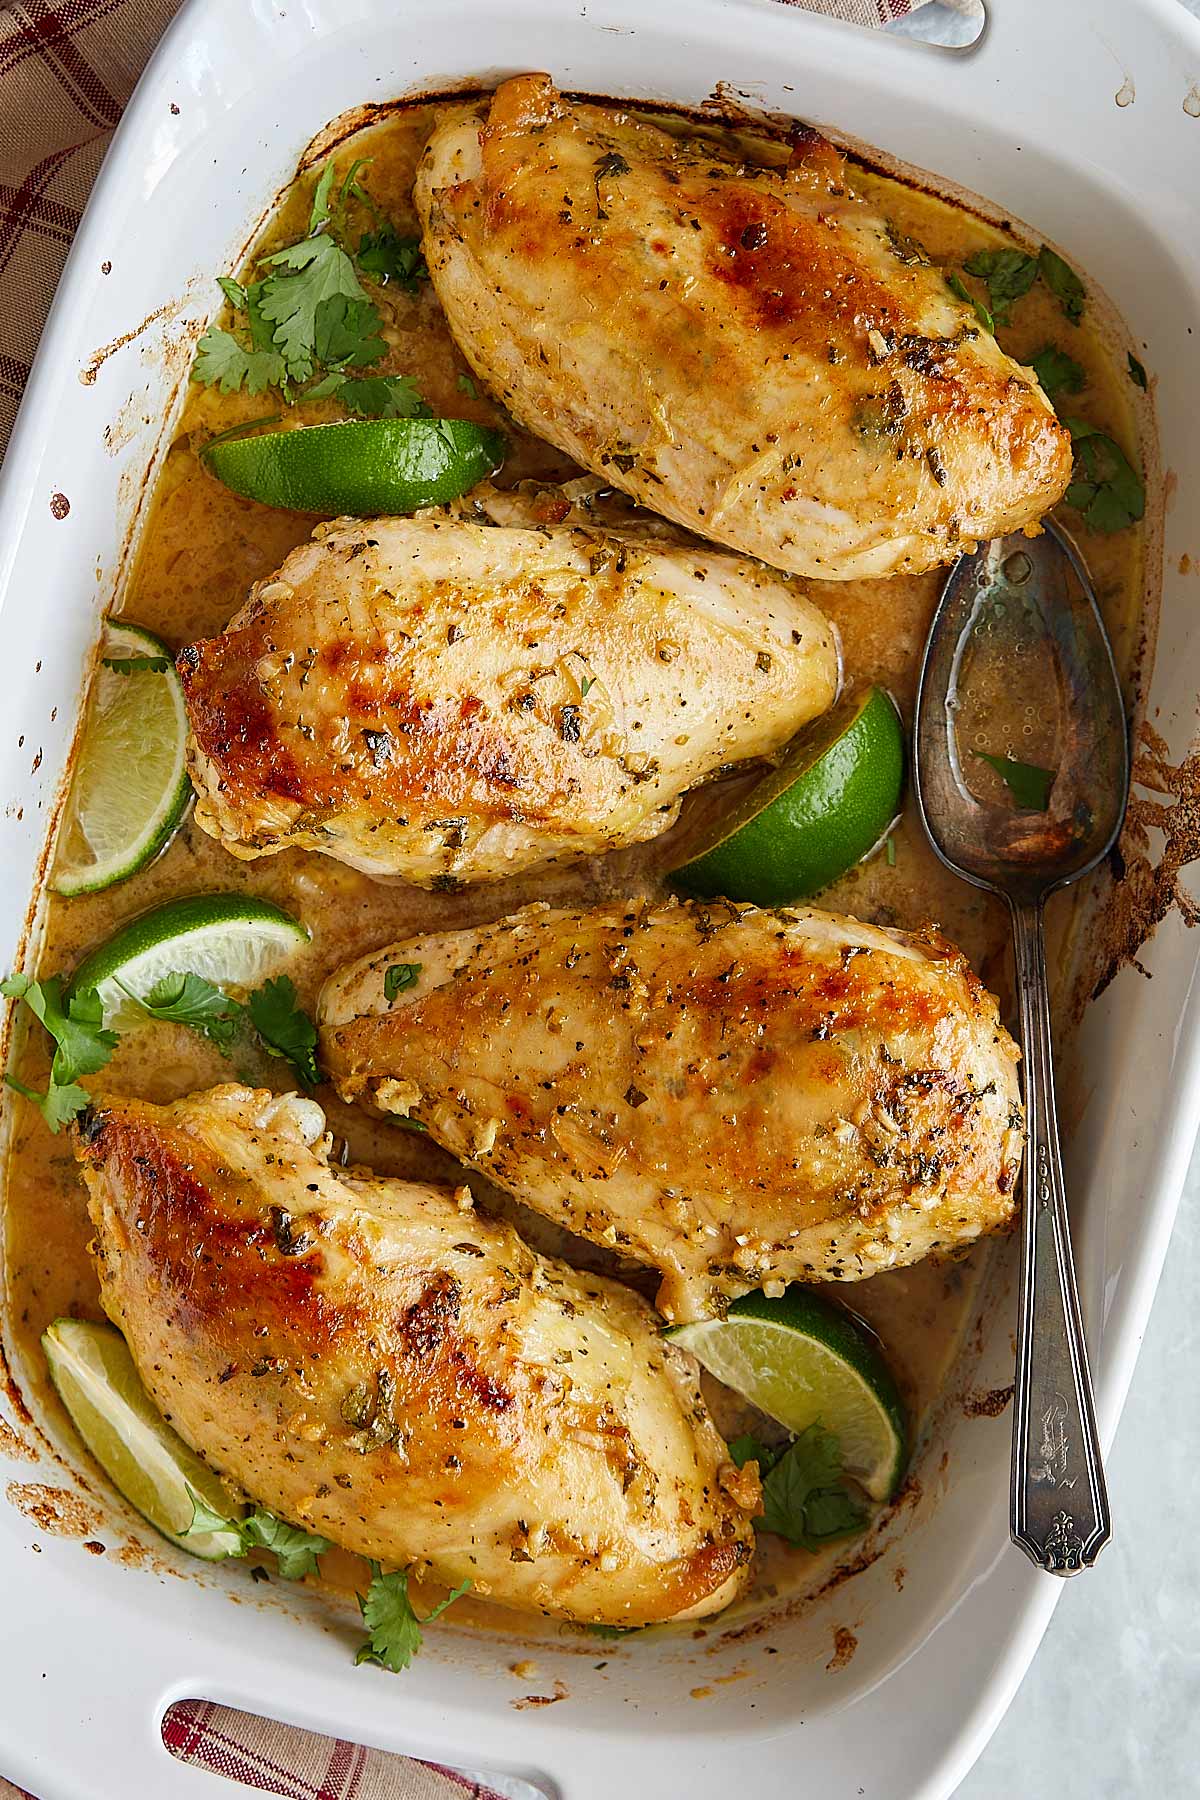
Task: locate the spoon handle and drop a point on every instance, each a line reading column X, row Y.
column 1059, row 1510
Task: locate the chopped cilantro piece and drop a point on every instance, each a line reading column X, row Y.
column 1136, row 370
column 1063, row 283
column 1028, row 784
column 81, row 1045
column 223, row 362
column 1008, row 273
column 399, row 977
column 284, row 1027
column 186, row 999
column 1057, row 372
column 805, row 1499
column 394, row 1630
column 387, row 257
column 1105, row 488
column 959, row 289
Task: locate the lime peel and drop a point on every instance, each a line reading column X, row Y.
column 147, row 1462
column 369, row 468
column 232, row 940
column 129, row 789
column 828, row 803
column 803, row 1361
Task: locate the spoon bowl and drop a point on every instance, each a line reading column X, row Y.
column 1013, row 851
column 1021, row 593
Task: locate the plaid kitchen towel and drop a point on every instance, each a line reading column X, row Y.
column 67, row 67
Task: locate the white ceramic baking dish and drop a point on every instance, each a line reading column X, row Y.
column 92, row 1651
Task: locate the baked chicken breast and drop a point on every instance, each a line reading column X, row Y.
column 740, row 1098
column 447, row 700
column 376, row 1361
column 746, row 349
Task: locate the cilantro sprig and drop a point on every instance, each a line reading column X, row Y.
column 1009, row 275
column 296, row 1552
column 399, row 977
column 1028, row 784
column 306, row 325
column 1057, row 372
column 1105, row 487
column 393, row 1627
column 83, row 1046
column 805, row 1498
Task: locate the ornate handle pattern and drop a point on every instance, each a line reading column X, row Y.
column 1060, row 1515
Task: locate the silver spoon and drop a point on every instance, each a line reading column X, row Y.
column 1020, row 594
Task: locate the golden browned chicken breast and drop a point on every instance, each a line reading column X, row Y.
column 739, row 1098
column 376, row 1361
column 746, row 349
column 447, row 699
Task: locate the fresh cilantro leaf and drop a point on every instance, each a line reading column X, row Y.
column 384, row 397
column 1008, row 274
column 608, row 168
column 612, row 1631
column 399, row 977
column 82, row 1046
column 1057, row 372
column 58, row 1105
column 394, row 1630
column 284, row 1028
column 330, row 384
column 804, row 1497
column 1105, row 487
column 1026, row 782
column 136, row 665
column 181, row 999
column 347, row 331
column 221, row 361
column 262, row 332
column 310, row 272
column 1137, row 372
column 1063, row 283
column 233, row 291
column 388, row 257
column 748, row 1448
column 320, row 204
column 295, row 1551
column 586, row 686
column 959, row 289
column 467, row 386
column 204, row 1519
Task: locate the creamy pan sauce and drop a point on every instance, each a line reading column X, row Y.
column 201, row 549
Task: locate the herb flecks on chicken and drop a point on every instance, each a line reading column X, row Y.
column 740, row 1098
column 746, row 349
column 403, row 1376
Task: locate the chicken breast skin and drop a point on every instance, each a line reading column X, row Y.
column 448, row 700
column 374, row 1360
column 747, row 349
column 739, row 1098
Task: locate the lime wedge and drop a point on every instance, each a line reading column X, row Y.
column 232, row 940
column 803, row 1362
column 145, row 1460
column 130, row 787
column 369, row 468
column 813, row 817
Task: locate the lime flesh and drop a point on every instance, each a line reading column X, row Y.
column 827, row 804
column 129, row 788
column 147, row 1462
column 804, row 1362
column 370, row 468
column 233, row 940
